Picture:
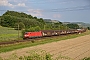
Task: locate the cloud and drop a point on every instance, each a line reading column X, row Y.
column 35, row 12
column 7, row 3
column 17, row 0
column 21, row 4
column 57, row 16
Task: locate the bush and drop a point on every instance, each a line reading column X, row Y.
column 86, row 58
column 32, row 29
column 37, row 55
column 32, row 55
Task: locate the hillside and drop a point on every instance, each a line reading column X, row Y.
column 81, row 24
column 29, row 23
column 12, row 18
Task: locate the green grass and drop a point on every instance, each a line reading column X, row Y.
column 38, row 42
column 8, row 34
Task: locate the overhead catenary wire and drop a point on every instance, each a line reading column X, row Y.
column 78, row 8
column 71, row 9
column 45, row 1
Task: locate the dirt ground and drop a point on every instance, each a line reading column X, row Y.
column 71, row 49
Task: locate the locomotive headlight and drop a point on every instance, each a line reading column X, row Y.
column 25, row 35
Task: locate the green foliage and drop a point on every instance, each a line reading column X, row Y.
column 32, row 55
column 37, row 28
column 41, row 20
column 55, row 26
column 17, row 14
column 10, row 18
column 31, row 23
column 48, row 27
column 88, row 28
column 86, row 58
column 19, row 26
column 73, row 26
column 37, row 55
column 32, row 29
column 0, row 20
column 8, row 21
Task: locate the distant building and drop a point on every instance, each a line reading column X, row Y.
column 66, row 23
column 55, row 21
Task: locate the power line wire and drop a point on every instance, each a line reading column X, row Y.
column 53, row 1
column 71, row 9
column 78, row 8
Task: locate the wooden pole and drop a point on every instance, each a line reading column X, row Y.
column 18, row 30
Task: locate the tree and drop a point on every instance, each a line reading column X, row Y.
column 8, row 21
column 35, row 17
column 0, row 20
column 29, row 16
column 32, row 29
column 37, row 28
column 88, row 28
column 73, row 26
column 21, row 26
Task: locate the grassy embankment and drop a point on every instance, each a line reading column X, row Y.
column 38, row 42
column 8, row 34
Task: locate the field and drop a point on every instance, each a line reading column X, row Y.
column 8, row 34
column 70, row 49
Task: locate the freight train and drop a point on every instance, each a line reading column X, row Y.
column 47, row 33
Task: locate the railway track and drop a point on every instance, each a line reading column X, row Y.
column 17, row 41
column 11, row 42
column 32, row 40
column 26, row 40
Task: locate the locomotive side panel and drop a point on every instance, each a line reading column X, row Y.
column 32, row 34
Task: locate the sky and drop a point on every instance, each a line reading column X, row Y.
column 62, row 10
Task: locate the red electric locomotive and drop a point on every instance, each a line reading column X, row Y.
column 32, row 34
